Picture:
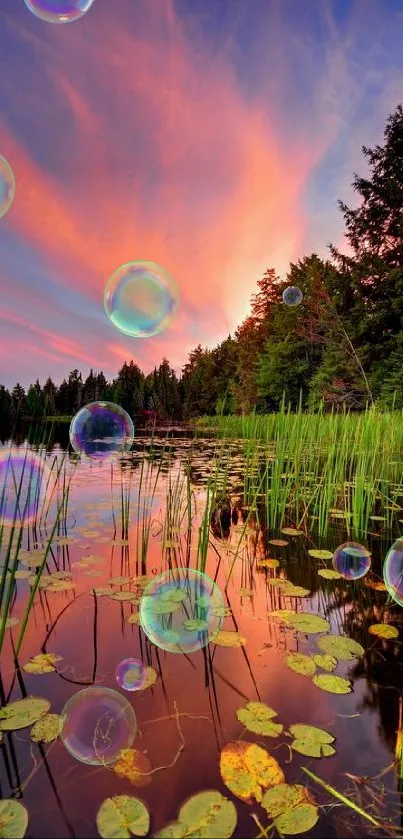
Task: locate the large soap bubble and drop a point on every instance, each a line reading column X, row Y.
column 393, row 571
column 101, row 429
column 7, row 186
column 131, row 674
column 25, row 483
column 181, row 610
column 59, row 11
column 96, row 724
column 351, row 560
column 141, row 299
column 292, row 296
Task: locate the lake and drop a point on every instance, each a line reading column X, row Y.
column 130, row 523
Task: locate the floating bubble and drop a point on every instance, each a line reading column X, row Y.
column 141, row 299
column 393, row 571
column 351, row 560
column 131, row 674
column 25, row 482
column 181, row 610
column 59, row 11
column 101, row 429
column 292, row 296
column 96, row 724
column 7, row 186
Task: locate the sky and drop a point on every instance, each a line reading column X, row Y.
column 213, row 137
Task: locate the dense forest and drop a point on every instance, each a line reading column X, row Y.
column 341, row 348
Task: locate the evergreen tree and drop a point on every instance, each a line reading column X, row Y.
column 5, row 405
column 18, row 402
column 35, row 403
column 49, row 397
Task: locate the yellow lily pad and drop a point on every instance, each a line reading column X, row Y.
column 134, row 618
column 228, row 638
column 268, row 563
column 325, row 661
column 195, row 625
column 301, row 663
column 42, row 663
column 383, row 630
column 122, row 816
column 13, row 819
column 135, row 766
column 150, row 679
column 47, row 728
column 102, row 591
column 122, row 596
column 308, row 623
column 340, row 647
column 257, row 717
column 292, row 531
column 332, row 684
column 311, row 741
column 22, row 713
column 118, row 581
column 318, row 554
column 296, row 591
column 329, row 574
column 281, row 614
column 247, row 770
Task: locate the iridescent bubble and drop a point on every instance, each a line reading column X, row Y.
column 7, row 186
column 25, row 482
column 181, row 610
column 96, row 724
column 101, row 429
column 59, row 11
column 292, row 296
column 131, row 674
column 393, row 571
column 141, row 299
column 351, row 560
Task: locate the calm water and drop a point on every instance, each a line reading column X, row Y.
column 92, row 634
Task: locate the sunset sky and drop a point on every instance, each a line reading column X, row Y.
column 211, row 136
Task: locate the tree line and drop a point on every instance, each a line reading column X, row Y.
column 342, row 347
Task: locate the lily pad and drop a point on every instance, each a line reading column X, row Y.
column 23, row 712
column 281, row 614
column 280, row 543
column 174, row 830
column 301, row 663
column 208, row 815
column 268, row 563
column 195, row 625
column 257, row 717
column 247, row 770
column 150, row 679
column 121, row 816
column 325, row 661
column 176, row 595
column 318, row 554
column 341, row 647
column 13, row 819
column 47, row 728
column 135, row 766
column 311, row 741
column 228, row 638
column 122, row 596
column 135, row 618
column 329, row 574
column 332, row 684
column 383, row 630
column 291, row 808
column 296, row 591
column 292, row 531
column 42, row 663
column 310, row 624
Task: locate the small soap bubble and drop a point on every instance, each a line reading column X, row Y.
column 181, row 610
column 7, row 186
column 101, row 430
column 141, row 299
column 131, row 674
column 351, row 560
column 59, row 11
column 393, row 571
column 25, row 482
column 292, row 296
column 96, row 724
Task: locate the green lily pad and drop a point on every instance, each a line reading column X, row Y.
column 208, row 815
column 301, row 663
column 341, row 647
column 291, row 808
column 165, row 607
column 296, row 591
column 317, row 554
column 195, row 625
column 305, row 622
column 311, row 741
column 13, row 819
column 257, row 717
column 22, row 713
column 46, row 729
column 204, row 601
column 174, row 830
column 121, row 816
column 332, row 684
column 325, row 661
column 329, row 574
column 176, row 595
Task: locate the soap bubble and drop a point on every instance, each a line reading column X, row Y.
column 181, row 610
column 7, row 186
column 59, row 11
column 101, row 429
column 351, row 560
column 131, row 674
column 141, row 299
column 393, row 571
column 96, row 724
column 292, row 296
column 25, row 482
